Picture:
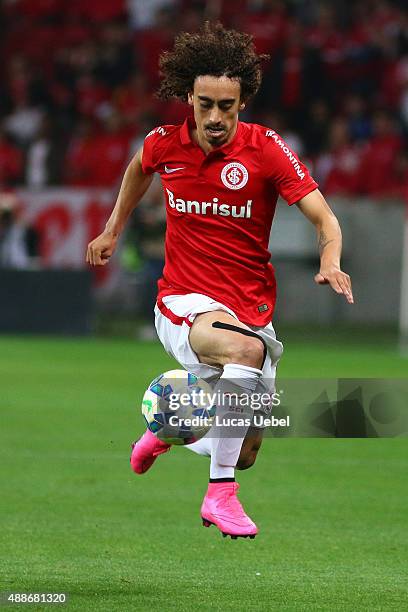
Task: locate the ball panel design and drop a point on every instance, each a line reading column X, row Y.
column 177, row 407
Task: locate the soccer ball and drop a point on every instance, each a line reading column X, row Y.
column 177, row 407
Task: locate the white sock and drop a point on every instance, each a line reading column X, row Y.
column 201, row 447
column 235, row 379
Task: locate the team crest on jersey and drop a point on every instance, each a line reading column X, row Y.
column 234, row 175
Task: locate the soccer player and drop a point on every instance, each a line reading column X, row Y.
column 221, row 180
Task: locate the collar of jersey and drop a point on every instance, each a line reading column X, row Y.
column 236, row 143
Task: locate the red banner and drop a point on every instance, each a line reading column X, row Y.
column 67, row 219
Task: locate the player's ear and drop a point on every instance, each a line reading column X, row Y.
column 242, row 106
column 190, row 98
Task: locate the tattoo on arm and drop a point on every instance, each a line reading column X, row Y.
column 323, row 242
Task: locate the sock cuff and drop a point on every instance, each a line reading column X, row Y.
column 236, row 370
column 244, row 376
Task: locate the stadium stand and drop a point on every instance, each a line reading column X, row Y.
column 77, row 81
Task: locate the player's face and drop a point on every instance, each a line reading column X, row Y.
column 216, row 102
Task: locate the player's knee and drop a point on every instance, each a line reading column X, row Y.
column 249, row 452
column 246, row 461
column 246, row 351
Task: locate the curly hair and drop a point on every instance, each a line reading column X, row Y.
column 213, row 51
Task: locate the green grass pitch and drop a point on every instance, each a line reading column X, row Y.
column 332, row 513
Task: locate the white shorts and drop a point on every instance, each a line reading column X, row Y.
column 174, row 316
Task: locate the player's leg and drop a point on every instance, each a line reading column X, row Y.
column 250, row 447
column 218, row 346
column 217, row 340
column 253, row 439
column 265, row 389
column 249, row 450
column 220, row 340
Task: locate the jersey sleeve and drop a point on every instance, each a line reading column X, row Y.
column 148, row 164
column 150, row 155
column 288, row 174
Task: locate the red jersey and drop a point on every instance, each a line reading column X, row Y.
column 220, row 208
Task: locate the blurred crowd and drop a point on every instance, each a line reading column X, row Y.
column 77, row 80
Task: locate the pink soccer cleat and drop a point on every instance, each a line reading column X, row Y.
column 222, row 509
column 145, row 450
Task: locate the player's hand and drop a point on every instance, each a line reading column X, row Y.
column 101, row 249
column 339, row 281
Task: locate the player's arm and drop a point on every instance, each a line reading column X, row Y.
column 134, row 184
column 316, row 209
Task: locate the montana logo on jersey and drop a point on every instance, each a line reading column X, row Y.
column 292, row 158
column 158, row 130
column 209, row 208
